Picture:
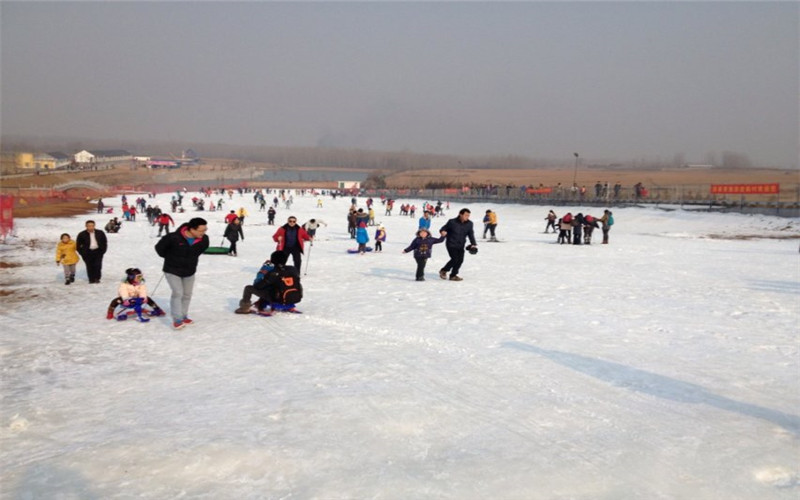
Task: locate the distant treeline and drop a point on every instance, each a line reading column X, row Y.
column 387, row 161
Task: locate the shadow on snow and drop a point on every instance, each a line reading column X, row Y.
column 658, row 385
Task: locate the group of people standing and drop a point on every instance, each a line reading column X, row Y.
column 578, row 229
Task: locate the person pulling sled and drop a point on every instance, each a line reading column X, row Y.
column 133, row 297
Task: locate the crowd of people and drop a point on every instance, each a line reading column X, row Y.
column 277, row 284
column 578, row 229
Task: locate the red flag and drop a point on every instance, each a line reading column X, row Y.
column 6, row 215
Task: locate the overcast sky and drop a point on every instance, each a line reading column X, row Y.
column 621, row 81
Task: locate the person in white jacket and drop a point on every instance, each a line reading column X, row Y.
column 133, row 294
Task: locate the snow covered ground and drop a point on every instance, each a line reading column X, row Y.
column 663, row 365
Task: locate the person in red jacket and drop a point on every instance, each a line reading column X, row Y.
column 164, row 220
column 229, row 218
column 290, row 238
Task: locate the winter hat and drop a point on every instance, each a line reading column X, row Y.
column 278, row 257
column 422, row 230
column 132, row 273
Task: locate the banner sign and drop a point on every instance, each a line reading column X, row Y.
column 745, row 188
column 6, row 215
column 546, row 190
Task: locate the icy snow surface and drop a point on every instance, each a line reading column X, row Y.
column 663, row 365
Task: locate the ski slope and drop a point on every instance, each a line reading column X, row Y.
column 663, row 365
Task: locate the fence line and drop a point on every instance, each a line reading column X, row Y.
column 690, row 197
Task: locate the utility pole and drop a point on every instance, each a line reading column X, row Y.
column 575, row 174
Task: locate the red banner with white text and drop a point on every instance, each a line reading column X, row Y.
column 745, row 188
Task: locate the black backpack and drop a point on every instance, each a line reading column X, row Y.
column 288, row 290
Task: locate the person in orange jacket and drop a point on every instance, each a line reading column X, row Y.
column 67, row 256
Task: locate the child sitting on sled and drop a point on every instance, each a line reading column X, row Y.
column 133, row 295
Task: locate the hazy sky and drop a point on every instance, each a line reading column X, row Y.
column 624, row 80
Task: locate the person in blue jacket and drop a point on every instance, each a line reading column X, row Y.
column 425, row 221
column 421, row 245
column 362, row 237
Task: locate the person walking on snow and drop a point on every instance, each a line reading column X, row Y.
column 233, row 232
column 242, row 213
column 91, row 245
column 181, row 251
column 457, row 231
column 425, row 221
column 290, row 238
column 421, row 245
column 551, row 221
column 491, row 225
column 607, row 220
column 67, row 256
column 164, row 220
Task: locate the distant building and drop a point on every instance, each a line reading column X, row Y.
column 52, row 161
column 103, row 156
column 24, row 160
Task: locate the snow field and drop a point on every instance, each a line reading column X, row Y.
column 663, row 365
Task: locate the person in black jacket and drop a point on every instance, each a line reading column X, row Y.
column 283, row 288
column 233, row 232
column 92, row 245
column 457, row 231
column 421, row 245
column 181, row 250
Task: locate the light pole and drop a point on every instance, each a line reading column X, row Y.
column 575, row 174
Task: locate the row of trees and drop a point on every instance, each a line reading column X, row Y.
column 392, row 161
